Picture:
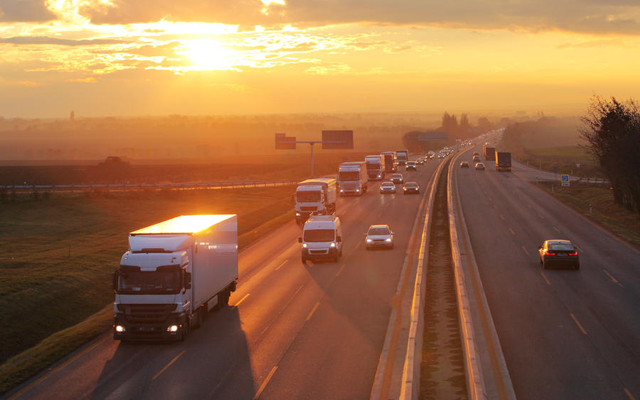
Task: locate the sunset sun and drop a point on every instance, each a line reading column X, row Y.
column 206, row 55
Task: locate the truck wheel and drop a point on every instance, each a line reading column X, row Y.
column 225, row 297
column 197, row 318
column 304, row 259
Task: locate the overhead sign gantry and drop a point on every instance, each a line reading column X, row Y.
column 342, row 139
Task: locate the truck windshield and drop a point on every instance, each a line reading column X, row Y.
column 308, row 197
column 156, row 282
column 349, row 175
column 319, row 235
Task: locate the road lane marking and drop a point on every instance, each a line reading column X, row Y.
column 556, row 229
column 168, row 365
column 312, row 311
column 494, row 206
column 525, row 250
column 341, row 268
column 358, row 245
column 281, row 265
column 610, row 276
column 545, row 278
column 501, row 217
column 55, row 370
column 241, row 300
column 540, row 215
column 512, row 232
column 629, row 394
column 266, row 381
column 578, row 323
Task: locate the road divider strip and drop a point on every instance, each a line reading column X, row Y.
column 384, row 373
column 468, row 287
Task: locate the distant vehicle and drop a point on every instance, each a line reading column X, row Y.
column 411, row 166
column 476, row 159
column 403, row 156
column 387, row 187
column 489, row 152
column 375, row 167
column 559, row 252
column 420, row 161
column 321, row 238
column 503, row 161
column 315, row 196
column 379, row 236
column 174, row 272
column 480, row 166
column 352, row 178
column 390, row 161
column 464, row 164
column 475, row 153
column 397, row 178
column 411, row 188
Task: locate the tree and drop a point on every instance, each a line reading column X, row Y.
column 612, row 130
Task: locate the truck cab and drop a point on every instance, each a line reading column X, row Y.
column 315, row 196
column 321, row 238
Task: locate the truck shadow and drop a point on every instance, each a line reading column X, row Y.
column 213, row 363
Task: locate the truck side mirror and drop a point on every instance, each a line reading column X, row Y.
column 539, row 247
column 187, row 280
column 299, row 240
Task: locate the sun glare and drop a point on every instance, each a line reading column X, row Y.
column 209, row 55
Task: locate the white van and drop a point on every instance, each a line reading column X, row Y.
column 321, row 238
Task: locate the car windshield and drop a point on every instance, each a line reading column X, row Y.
column 388, row 184
column 560, row 246
column 304, row 197
column 396, row 176
column 319, row 235
column 381, row 230
column 411, row 185
column 149, row 282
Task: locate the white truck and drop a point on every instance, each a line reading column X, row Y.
column 352, row 178
column 174, row 272
column 315, row 196
column 375, row 167
column 321, row 238
column 403, row 156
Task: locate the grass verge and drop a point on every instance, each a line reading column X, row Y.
column 596, row 203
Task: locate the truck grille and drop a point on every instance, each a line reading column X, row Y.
column 146, row 313
column 308, row 208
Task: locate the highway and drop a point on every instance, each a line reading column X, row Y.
column 565, row 334
column 293, row 330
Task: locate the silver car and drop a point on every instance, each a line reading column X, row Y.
column 379, row 236
column 387, row 187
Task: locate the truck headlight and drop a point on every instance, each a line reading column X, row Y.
column 341, row 190
column 120, row 329
column 369, row 240
column 357, row 190
column 298, row 214
column 304, row 245
column 172, row 328
column 333, row 244
column 387, row 240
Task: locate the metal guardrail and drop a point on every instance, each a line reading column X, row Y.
column 143, row 186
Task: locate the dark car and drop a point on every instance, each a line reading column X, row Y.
column 464, row 164
column 480, row 166
column 559, row 252
column 476, row 159
column 397, row 178
column 411, row 188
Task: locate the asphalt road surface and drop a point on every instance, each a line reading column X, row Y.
column 293, row 331
column 565, row 334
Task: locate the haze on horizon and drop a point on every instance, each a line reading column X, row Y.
column 143, row 57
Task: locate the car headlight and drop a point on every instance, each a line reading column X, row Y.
column 357, row 190
column 387, row 240
column 304, row 245
column 120, row 328
column 369, row 240
column 298, row 214
column 333, row 244
column 341, row 190
column 172, row 328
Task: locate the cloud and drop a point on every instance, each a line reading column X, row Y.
column 25, row 11
column 28, row 40
column 583, row 16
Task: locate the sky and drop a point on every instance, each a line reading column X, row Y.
column 195, row 57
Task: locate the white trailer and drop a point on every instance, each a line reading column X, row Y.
column 352, row 178
column 174, row 272
column 315, row 196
